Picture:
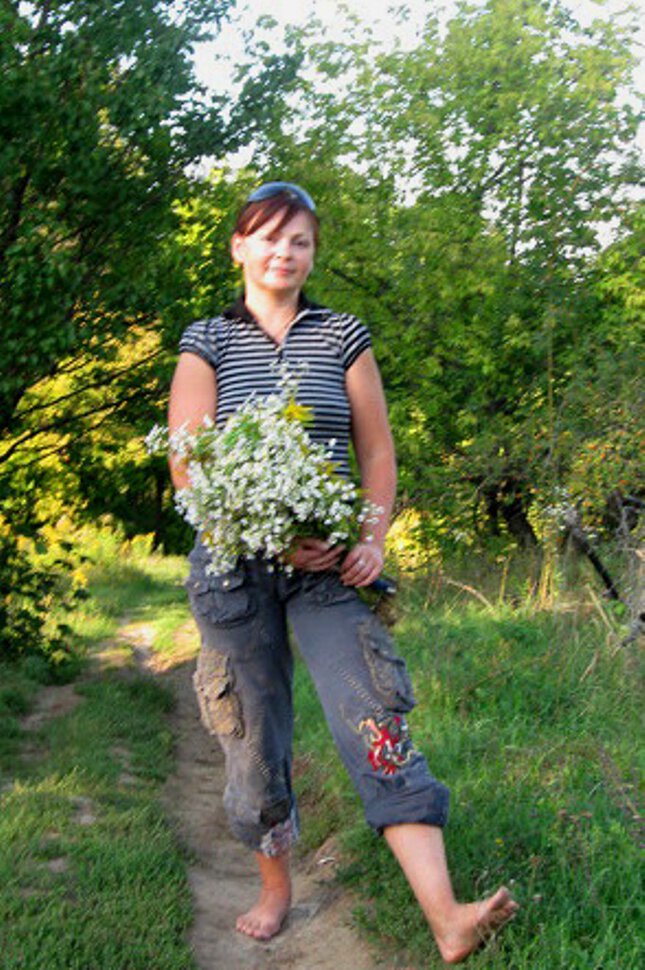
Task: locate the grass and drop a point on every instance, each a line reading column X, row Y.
column 91, row 872
column 531, row 716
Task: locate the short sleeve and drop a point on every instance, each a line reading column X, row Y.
column 356, row 339
column 200, row 338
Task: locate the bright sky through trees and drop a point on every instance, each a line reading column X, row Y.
column 215, row 61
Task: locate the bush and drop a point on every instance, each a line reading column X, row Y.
column 39, row 587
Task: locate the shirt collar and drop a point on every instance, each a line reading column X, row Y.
column 240, row 311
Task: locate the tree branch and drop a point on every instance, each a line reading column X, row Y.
column 93, row 384
column 16, row 198
column 581, row 542
column 60, row 448
column 57, row 426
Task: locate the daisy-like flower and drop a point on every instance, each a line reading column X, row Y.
column 259, row 481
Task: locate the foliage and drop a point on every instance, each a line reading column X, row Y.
column 465, row 183
column 77, row 444
column 605, row 439
column 40, row 587
column 100, row 114
column 82, row 251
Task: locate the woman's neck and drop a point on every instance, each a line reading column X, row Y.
column 273, row 311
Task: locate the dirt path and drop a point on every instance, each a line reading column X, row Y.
column 317, row 935
column 223, row 880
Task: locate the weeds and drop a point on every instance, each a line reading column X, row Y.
column 91, row 874
column 531, row 717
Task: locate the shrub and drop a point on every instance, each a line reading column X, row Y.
column 39, row 586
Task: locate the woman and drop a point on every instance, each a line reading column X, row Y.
column 244, row 671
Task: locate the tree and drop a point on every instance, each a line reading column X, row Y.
column 99, row 117
column 78, row 446
column 466, row 181
column 606, row 394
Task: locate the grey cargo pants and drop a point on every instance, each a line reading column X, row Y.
column 243, row 682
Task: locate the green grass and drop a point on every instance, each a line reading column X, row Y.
column 130, row 584
column 532, row 719
column 19, row 685
column 91, row 873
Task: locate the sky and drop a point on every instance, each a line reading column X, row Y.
column 246, row 13
column 213, row 61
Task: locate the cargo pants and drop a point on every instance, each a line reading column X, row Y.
column 243, row 682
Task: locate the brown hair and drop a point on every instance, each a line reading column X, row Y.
column 254, row 215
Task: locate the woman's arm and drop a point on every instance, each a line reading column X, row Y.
column 193, row 396
column 374, row 449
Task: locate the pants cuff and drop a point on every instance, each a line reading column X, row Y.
column 429, row 808
column 281, row 836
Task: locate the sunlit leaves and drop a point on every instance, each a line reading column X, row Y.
column 99, row 112
column 463, row 184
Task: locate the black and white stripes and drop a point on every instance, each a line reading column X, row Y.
column 243, row 356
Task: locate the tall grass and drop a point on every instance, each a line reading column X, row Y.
column 532, row 718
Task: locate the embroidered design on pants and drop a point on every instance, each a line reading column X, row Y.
column 388, row 741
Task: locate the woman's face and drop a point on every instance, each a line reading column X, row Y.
column 276, row 260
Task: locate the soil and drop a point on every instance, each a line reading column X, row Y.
column 51, row 702
column 317, row 934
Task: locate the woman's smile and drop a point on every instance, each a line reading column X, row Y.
column 277, row 255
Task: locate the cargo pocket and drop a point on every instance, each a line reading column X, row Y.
column 219, row 705
column 224, row 600
column 326, row 589
column 387, row 671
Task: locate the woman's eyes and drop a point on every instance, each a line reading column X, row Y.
column 302, row 243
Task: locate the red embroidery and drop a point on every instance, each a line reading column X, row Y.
column 389, row 743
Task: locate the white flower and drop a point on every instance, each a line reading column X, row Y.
column 259, row 481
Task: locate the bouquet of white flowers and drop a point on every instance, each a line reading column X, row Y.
column 259, row 481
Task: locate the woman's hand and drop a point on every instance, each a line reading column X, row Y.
column 362, row 564
column 314, row 555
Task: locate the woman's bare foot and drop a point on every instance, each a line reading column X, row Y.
column 459, row 928
column 265, row 919
column 472, row 924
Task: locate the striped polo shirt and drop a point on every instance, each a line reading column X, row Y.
column 243, row 356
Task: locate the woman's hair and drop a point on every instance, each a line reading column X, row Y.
column 253, row 215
